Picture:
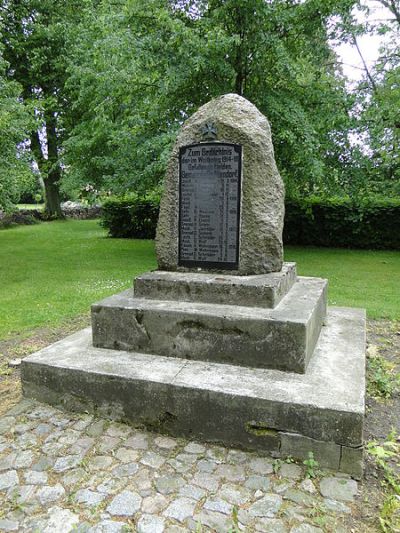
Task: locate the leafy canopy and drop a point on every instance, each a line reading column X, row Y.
column 138, row 70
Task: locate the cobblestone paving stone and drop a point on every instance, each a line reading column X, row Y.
column 70, row 472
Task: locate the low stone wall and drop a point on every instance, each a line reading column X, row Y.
column 32, row 216
column 79, row 211
column 22, row 216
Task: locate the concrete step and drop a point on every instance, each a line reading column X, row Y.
column 282, row 338
column 265, row 290
column 290, row 414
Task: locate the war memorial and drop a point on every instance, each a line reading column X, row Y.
column 224, row 342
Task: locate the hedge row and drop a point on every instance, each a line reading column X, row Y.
column 131, row 216
column 372, row 223
column 342, row 223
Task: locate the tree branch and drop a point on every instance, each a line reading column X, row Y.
column 392, row 7
column 367, row 72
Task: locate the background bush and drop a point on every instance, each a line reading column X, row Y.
column 372, row 223
column 25, row 217
column 132, row 215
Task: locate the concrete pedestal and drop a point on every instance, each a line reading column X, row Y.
column 262, row 290
column 290, row 414
column 188, row 354
column 282, row 338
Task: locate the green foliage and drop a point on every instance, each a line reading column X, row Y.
column 375, row 154
column 383, row 453
column 339, row 222
column 130, row 105
column 89, row 195
column 137, row 70
column 132, row 215
column 277, row 463
column 235, row 520
column 382, row 381
column 312, row 466
column 372, row 223
column 34, row 38
column 15, row 174
column 389, row 516
column 109, row 83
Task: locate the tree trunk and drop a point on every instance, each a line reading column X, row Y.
column 240, row 78
column 49, row 168
column 52, row 198
column 52, row 177
column 240, row 59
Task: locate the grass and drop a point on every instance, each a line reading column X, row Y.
column 357, row 278
column 39, row 207
column 53, row 271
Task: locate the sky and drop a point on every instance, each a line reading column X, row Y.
column 369, row 44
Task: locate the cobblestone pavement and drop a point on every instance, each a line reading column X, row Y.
column 62, row 472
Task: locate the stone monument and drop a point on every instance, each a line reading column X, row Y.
column 234, row 182
column 224, row 342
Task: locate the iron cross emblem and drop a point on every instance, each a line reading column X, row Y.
column 209, row 131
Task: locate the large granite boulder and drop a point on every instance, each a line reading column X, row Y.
column 262, row 209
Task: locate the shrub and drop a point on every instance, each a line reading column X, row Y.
column 336, row 222
column 131, row 215
column 19, row 217
column 372, row 223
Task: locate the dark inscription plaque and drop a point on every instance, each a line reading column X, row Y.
column 209, row 205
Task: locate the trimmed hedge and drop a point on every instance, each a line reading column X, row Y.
column 338, row 222
column 342, row 223
column 131, row 215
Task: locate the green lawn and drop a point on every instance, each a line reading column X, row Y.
column 357, row 278
column 54, row 271
column 39, row 207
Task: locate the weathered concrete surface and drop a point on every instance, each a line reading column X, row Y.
column 263, row 290
column 328, row 454
column 237, row 121
column 283, row 338
column 243, row 407
column 351, row 461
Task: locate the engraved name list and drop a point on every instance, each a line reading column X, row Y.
column 209, row 205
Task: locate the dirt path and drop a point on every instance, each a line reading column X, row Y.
column 22, row 345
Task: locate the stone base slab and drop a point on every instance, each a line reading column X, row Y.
column 269, row 410
column 265, row 290
column 282, row 338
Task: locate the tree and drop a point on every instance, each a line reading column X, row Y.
column 381, row 115
column 137, row 71
column 375, row 151
column 15, row 171
column 34, row 39
column 283, row 63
